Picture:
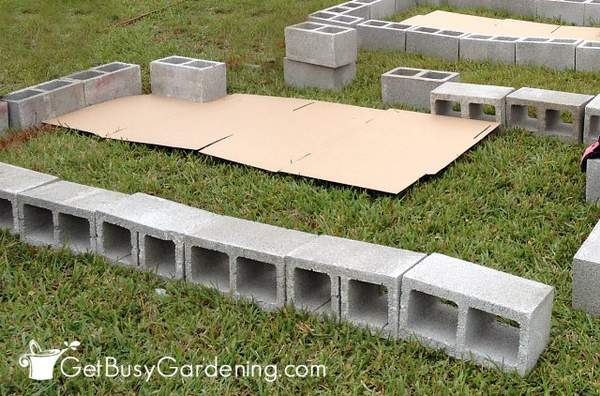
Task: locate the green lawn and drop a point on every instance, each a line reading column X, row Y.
column 514, row 203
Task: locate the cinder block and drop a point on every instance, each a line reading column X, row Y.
column 330, row 18
column 470, row 3
column 434, row 42
column 592, row 182
column 110, row 81
column 3, row 117
column 382, row 35
column 586, row 263
column 591, row 125
column 352, row 8
column 517, row 7
column 403, row 5
column 476, row 313
column 31, row 106
column 591, row 13
column 379, row 8
column 147, row 232
column 306, row 75
column 479, row 102
column 255, row 253
column 496, row 49
column 63, row 214
column 548, row 113
column 15, row 180
column 369, row 277
column 571, row 11
column 412, row 87
column 552, row 53
column 188, row 78
column 587, row 56
column 322, row 45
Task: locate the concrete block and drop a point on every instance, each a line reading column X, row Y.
column 556, row 53
column 329, row 18
column 306, row 75
column 570, row 11
column 517, row 7
column 403, row 5
column 479, row 102
column 188, row 78
column 476, row 313
column 3, row 117
column 591, row 13
column 31, row 106
column 368, row 276
column 352, row 8
column 470, row 3
column 63, row 214
column 548, row 113
column 592, row 181
column 434, row 42
column 147, row 232
column 108, row 82
column 382, row 35
column 591, row 124
column 242, row 257
column 496, row 49
column 379, row 9
column 586, row 263
column 587, row 57
column 412, row 87
column 15, row 180
column 322, row 45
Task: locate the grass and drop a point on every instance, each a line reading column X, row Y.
column 514, row 203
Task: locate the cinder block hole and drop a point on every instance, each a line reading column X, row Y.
column 74, row 232
column 492, row 336
column 312, row 290
column 353, row 5
column 52, row 85
column 594, row 126
column 345, row 18
column 523, row 116
column 592, row 44
column 397, row 26
column 210, row 268
column 480, row 111
column 38, row 224
column 256, row 279
column 479, row 37
column 405, row 72
column 331, row 30
column 376, row 23
column 432, row 317
column 558, row 121
column 159, row 255
column 564, row 41
column 112, row 67
column 309, row 25
column 323, row 15
column 435, row 75
column 451, row 33
column 368, row 303
column 505, row 38
column 536, row 40
column 337, row 10
column 175, row 60
column 6, row 215
column 447, row 108
column 28, row 93
column 426, row 30
column 116, row 243
column 200, row 64
column 85, row 75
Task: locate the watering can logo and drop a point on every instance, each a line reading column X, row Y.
column 41, row 362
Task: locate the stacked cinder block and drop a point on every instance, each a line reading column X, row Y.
column 548, row 113
column 477, row 313
column 558, row 53
column 320, row 56
column 434, row 42
column 591, row 125
column 586, row 263
column 481, row 47
column 587, row 56
column 14, row 181
column 412, row 87
column 592, row 181
column 480, row 102
column 3, row 117
column 382, row 35
column 186, row 78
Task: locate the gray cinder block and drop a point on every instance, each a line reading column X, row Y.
column 403, row 5
column 480, row 47
column 31, row 106
column 586, row 263
column 587, row 56
column 476, row 313
column 188, row 78
column 556, row 53
column 242, row 257
column 434, row 42
column 555, row 113
column 369, row 277
column 382, row 35
column 3, row 117
column 470, row 3
column 571, row 11
column 63, row 214
column 306, row 75
column 591, row 125
column 473, row 99
column 379, row 8
column 323, row 45
column 15, row 180
column 412, row 87
column 352, row 8
column 147, row 232
column 329, row 18
column 591, row 13
column 517, row 7
column 110, row 81
column 592, row 181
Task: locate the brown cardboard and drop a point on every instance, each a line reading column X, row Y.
column 375, row 149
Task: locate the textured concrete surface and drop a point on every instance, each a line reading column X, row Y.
column 382, row 35
column 322, row 45
column 4, row 125
column 455, row 305
column 306, row 75
column 556, row 53
column 330, row 18
column 570, row 11
column 496, row 49
column 592, row 181
column 587, row 56
column 591, row 13
column 434, row 42
column 591, row 125
column 586, row 263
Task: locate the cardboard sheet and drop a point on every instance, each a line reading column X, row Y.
column 374, row 149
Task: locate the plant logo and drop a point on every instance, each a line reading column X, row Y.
column 41, row 362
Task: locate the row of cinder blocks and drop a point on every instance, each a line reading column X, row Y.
column 472, row 312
